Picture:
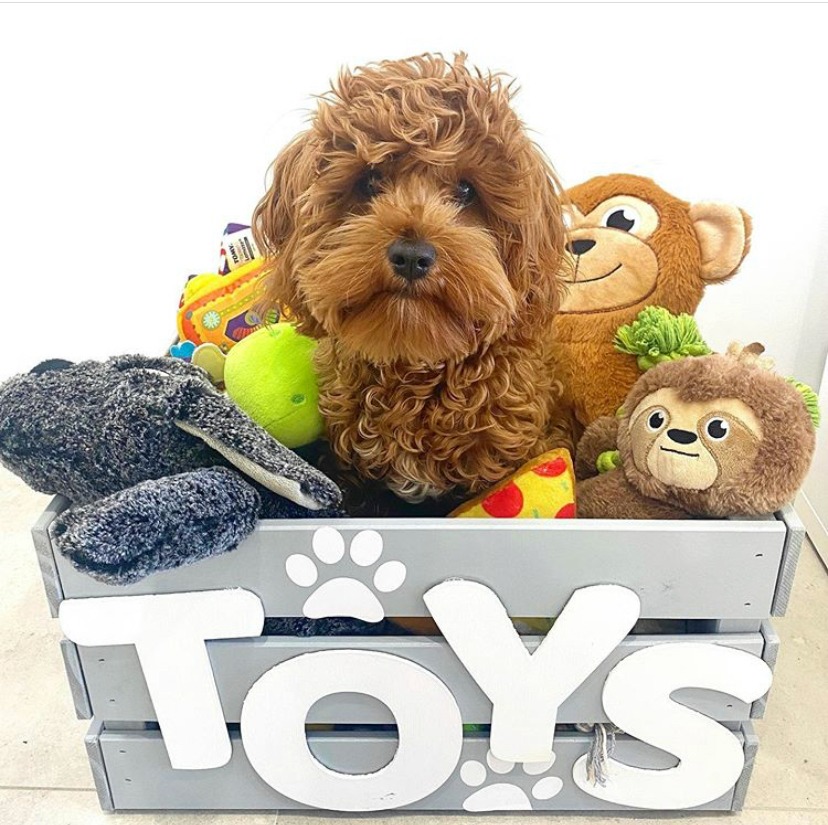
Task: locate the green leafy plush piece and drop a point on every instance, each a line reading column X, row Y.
column 657, row 335
column 810, row 399
column 608, row 460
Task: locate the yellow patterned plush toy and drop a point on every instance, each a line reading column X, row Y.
column 542, row 488
column 218, row 309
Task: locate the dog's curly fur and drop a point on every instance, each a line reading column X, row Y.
column 442, row 383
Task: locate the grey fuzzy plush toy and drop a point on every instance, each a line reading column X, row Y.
column 161, row 468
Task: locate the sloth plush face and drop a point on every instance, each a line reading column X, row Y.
column 692, row 444
column 718, row 435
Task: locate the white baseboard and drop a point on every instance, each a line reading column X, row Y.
column 814, row 526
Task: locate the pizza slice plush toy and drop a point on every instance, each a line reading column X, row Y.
column 542, row 488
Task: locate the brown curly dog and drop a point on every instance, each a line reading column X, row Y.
column 416, row 231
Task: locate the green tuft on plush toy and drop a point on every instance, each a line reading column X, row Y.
column 657, row 335
column 809, row 397
column 270, row 375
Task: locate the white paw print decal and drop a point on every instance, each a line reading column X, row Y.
column 506, row 796
column 345, row 596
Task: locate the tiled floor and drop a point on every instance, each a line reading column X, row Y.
column 44, row 778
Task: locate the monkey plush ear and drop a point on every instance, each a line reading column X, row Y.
column 723, row 232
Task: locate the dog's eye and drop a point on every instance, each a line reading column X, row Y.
column 464, row 193
column 369, row 184
column 624, row 218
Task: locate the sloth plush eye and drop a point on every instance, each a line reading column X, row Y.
column 464, row 193
column 369, row 184
column 656, row 419
column 717, row 428
column 624, row 218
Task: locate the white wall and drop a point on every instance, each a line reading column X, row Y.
column 132, row 134
column 812, row 503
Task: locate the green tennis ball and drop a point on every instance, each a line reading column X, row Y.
column 270, row 375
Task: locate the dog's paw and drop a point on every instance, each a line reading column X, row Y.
column 506, row 796
column 344, row 595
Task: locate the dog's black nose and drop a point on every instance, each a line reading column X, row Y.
column 682, row 436
column 579, row 247
column 411, row 259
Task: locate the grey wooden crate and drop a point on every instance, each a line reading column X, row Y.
column 46, row 557
column 136, row 774
column 109, row 684
column 734, row 573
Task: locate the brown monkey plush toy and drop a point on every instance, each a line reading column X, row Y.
column 716, row 436
column 633, row 245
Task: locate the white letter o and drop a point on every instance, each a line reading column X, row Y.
column 428, row 721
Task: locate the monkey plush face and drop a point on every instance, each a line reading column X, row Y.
column 693, row 444
column 632, row 244
column 613, row 266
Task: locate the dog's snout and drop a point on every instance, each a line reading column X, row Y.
column 580, row 247
column 411, row 259
column 682, row 436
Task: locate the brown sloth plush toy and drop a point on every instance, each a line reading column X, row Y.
column 632, row 245
column 714, row 436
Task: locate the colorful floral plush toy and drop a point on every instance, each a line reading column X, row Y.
column 222, row 308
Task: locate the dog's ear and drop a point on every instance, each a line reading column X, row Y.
column 275, row 220
column 536, row 262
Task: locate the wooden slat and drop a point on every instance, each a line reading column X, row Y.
column 794, row 540
column 97, row 765
column 750, row 743
column 45, row 553
column 117, row 690
column 140, row 777
column 680, row 569
column 74, row 675
column 770, row 653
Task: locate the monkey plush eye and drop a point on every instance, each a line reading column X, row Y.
column 624, row 218
column 464, row 193
column 718, row 428
column 369, row 184
column 656, row 419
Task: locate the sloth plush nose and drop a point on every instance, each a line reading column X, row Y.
column 579, row 247
column 682, row 436
column 411, row 259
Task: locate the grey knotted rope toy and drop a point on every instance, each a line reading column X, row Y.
column 144, row 448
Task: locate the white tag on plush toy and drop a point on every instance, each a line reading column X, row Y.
column 238, row 248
